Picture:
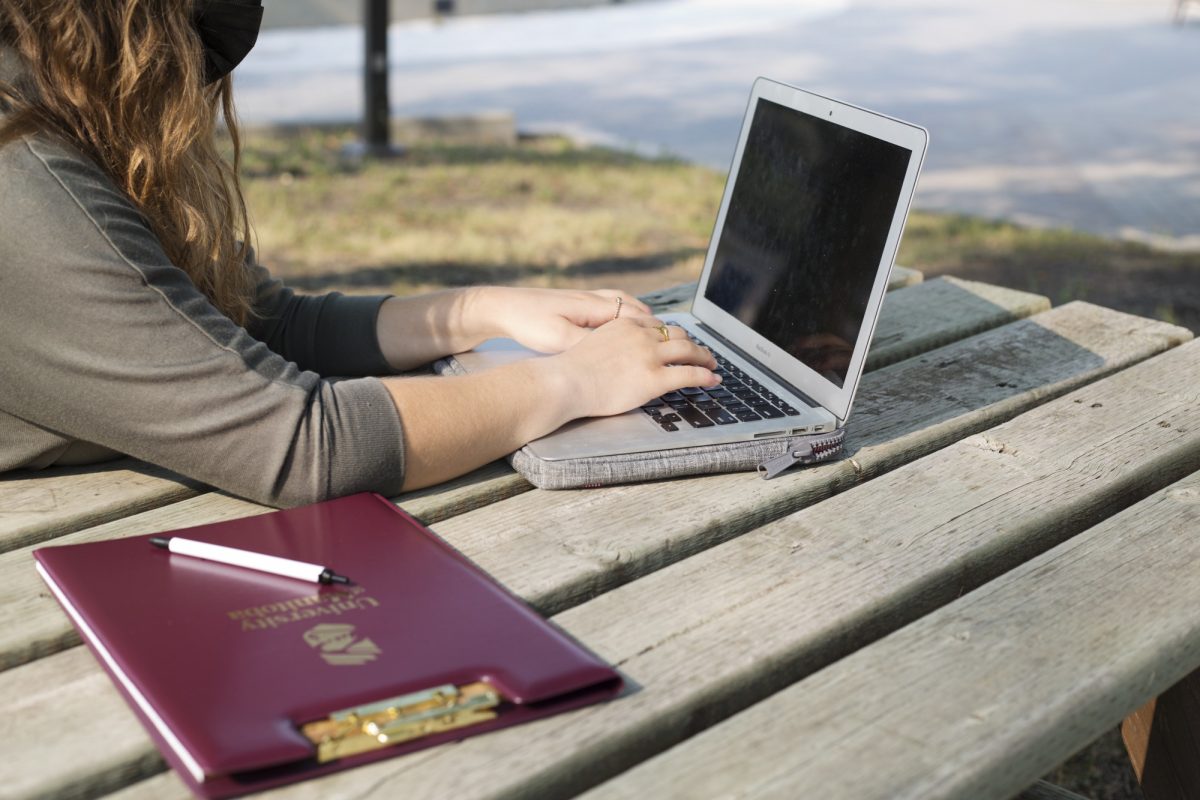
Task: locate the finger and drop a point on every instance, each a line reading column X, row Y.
column 674, row 332
column 594, row 310
column 680, row 377
column 628, row 301
column 659, row 331
column 654, row 323
column 684, row 352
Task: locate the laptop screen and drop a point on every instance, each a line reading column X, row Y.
column 804, row 232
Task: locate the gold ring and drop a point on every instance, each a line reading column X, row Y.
column 620, row 302
column 666, row 333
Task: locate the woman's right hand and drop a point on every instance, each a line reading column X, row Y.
column 626, row 362
column 455, row 424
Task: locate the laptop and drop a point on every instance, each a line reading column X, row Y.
column 795, row 275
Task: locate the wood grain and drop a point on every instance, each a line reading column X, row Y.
column 33, row 626
column 979, row 697
column 732, row 626
column 555, row 552
column 87, row 716
column 942, row 311
column 37, row 506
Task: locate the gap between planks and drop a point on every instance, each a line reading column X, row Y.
column 980, row 697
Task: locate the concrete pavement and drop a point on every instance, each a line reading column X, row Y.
column 1083, row 113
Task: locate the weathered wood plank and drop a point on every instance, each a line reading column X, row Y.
column 733, row 625
column 34, row 626
column 904, row 276
column 978, row 697
column 488, row 484
column 942, row 311
column 89, row 706
column 37, row 506
column 552, row 556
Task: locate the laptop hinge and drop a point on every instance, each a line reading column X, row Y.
column 760, row 366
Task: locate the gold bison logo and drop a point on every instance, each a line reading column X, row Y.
column 339, row 646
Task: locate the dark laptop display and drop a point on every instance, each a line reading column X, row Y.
column 804, row 232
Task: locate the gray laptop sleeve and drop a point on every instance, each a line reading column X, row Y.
column 769, row 456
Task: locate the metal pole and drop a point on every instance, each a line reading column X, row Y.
column 377, row 122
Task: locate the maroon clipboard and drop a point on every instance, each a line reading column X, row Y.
column 227, row 668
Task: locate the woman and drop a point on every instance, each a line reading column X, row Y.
column 134, row 318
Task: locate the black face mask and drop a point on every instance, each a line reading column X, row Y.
column 228, row 29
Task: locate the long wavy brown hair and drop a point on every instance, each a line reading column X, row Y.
column 123, row 81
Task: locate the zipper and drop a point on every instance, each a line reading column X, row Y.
column 809, row 449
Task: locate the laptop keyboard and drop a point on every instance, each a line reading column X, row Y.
column 739, row 398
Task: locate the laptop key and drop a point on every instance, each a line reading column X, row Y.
column 769, row 412
column 690, row 391
column 668, row 418
column 653, row 403
column 786, row 409
column 695, row 417
column 669, row 396
column 722, row 417
column 668, row 426
column 678, row 404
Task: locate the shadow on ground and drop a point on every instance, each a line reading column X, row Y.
column 1169, row 294
column 465, row 274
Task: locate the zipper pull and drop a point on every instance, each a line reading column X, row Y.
column 804, row 450
column 797, row 450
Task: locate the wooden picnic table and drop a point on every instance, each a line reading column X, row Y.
column 998, row 570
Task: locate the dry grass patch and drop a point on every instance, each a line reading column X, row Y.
column 543, row 213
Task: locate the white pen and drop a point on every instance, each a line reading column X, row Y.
column 275, row 565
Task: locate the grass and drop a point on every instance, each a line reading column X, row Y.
column 543, row 214
column 547, row 213
column 1062, row 264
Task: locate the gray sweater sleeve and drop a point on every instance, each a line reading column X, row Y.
column 103, row 340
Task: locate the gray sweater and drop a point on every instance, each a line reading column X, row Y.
column 106, row 347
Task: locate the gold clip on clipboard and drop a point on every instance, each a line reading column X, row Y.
column 401, row 719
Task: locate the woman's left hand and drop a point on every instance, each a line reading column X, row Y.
column 551, row 320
